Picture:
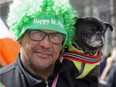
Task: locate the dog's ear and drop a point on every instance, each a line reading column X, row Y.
column 78, row 21
column 109, row 26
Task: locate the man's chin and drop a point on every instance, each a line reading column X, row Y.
column 42, row 67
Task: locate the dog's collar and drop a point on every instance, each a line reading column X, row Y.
column 74, row 54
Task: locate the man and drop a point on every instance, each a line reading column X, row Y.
column 42, row 28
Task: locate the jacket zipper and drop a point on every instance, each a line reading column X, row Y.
column 46, row 82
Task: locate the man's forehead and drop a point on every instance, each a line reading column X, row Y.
column 49, row 31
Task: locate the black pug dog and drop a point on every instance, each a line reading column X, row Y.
column 83, row 56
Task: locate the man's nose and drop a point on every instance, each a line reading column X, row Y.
column 45, row 42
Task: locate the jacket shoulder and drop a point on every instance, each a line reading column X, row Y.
column 6, row 69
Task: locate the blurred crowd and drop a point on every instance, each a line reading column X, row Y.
column 108, row 69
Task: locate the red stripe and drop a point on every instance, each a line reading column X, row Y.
column 79, row 60
column 87, row 55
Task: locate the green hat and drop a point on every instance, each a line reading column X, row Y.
column 56, row 15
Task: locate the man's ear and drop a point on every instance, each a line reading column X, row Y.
column 109, row 26
column 19, row 41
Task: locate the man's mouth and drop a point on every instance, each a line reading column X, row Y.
column 43, row 54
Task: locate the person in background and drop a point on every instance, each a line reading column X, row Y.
column 111, row 78
column 109, row 63
column 9, row 50
column 1, row 65
column 43, row 28
column 108, row 68
column 103, row 62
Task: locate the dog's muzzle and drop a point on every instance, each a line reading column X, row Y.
column 95, row 40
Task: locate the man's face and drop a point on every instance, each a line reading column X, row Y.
column 39, row 54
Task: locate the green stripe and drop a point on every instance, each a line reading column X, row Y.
column 1, row 85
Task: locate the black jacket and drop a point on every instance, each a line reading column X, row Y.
column 16, row 75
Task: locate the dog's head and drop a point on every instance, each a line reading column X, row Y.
column 90, row 33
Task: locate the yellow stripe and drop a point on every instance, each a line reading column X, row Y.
column 87, row 68
column 72, row 48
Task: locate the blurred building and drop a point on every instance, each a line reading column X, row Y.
column 103, row 9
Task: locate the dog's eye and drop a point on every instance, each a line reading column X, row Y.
column 103, row 31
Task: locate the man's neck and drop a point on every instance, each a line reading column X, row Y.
column 43, row 73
